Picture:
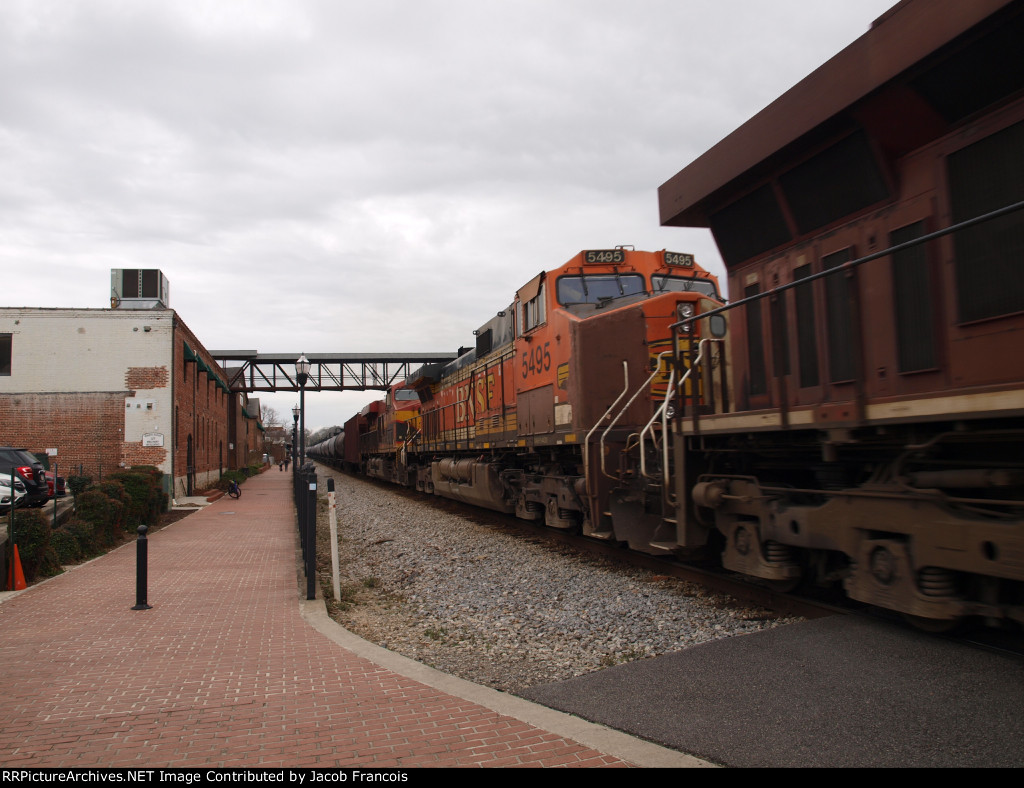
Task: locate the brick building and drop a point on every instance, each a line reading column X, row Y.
column 121, row 387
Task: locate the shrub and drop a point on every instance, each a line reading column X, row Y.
column 229, row 476
column 85, row 534
column 145, row 496
column 66, row 547
column 103, row 506
column 32, row 535
column 78, row 484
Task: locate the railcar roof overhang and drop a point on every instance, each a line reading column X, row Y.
column 920, row 66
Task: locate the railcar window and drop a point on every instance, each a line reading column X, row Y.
column 749, row 226
column 6, row 344
column 983, row 177
column 912, row 288
column 681, row 284
column 841, row 180
column 594, row 288
column 806, row 332
column 840, row 323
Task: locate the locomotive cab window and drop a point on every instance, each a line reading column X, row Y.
column 683, row 284
column 531, row 314
column 595, row 288
column 530, row 305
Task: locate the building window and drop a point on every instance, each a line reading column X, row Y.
column 5, row 353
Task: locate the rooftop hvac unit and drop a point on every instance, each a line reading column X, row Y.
column 138, row 288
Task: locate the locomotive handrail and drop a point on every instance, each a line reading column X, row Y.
column 586, row 440
column 639, row 391
column 662, row 413
column 405, row 444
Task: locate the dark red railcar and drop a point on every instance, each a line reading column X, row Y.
column 874, row 429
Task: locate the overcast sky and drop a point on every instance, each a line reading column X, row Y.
column 327, row 175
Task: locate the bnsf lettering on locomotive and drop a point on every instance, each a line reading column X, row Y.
column 462, row 403
column 537, row 360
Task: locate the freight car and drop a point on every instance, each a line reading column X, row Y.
column 873, row 438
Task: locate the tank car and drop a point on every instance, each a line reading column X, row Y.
column 329, row 450
column 873, row 428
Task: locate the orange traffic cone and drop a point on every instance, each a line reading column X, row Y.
column 16, row 577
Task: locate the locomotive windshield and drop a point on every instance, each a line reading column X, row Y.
column 683, row 284
column 594, row 288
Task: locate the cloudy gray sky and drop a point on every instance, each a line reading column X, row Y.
column 329, row 175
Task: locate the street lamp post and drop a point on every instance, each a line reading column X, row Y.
column 302, row 373
column 295, row 440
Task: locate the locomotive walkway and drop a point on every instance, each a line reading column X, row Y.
column 233, row 668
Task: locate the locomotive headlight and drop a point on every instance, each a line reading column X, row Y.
column 685, row 311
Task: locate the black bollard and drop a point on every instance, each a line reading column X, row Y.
column 141, row 550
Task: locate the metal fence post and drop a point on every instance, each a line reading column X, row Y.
column 332, row 513
column 311, row 536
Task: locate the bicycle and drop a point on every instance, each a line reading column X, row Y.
column 234, row 491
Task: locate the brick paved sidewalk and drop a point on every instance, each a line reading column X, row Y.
column 224, row 670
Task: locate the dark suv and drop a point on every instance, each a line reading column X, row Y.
column 31, row 472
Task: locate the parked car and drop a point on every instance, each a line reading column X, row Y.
column 29, row 470
column 55, row 482
column 10, row 492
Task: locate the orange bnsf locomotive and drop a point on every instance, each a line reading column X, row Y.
column 559, row 412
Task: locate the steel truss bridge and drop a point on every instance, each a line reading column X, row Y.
column 250, row 370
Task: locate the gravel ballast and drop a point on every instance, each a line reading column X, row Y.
column 465, row 594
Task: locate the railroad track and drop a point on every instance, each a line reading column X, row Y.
column 783, row 603
column 715, row 580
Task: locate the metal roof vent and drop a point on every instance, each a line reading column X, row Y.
column 139, row 288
